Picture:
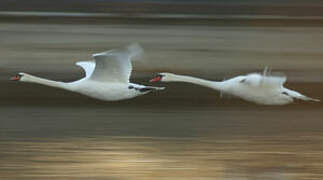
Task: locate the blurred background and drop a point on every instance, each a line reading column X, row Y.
column 184, row 132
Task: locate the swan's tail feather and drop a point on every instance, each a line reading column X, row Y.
column 300, row 96
column 305, row 98
column 297, row 95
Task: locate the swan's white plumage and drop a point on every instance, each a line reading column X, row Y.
column 88, row 67
column 257, row 80
column 115, row 65
column 263, row 89
column 106, row 78
column 111, row 68
column 274, row 80
column 257, row 88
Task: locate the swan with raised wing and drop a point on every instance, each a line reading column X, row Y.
column 255, row 87
column 106, row 77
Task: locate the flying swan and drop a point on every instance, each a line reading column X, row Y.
column 257, row 88
column 106, row 78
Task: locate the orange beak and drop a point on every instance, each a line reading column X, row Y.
column 15, row 78
column 156, row 79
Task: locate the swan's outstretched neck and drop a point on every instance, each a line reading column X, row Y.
column 198, row 81
column 33, row 79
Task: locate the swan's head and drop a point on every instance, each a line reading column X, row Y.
column 163, row 77
column 18, row 77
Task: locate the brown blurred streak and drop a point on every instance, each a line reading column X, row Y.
column 174, row 7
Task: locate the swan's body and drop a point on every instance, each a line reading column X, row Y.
column 257, row 88
column 106, row 78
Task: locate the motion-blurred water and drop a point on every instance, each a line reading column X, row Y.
column 185, row 132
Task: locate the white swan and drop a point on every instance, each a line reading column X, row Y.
column 106, row 78
column 257, row 88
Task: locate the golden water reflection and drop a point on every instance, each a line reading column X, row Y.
column 271, row 157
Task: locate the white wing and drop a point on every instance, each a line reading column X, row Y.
column 115, row 65
column 88, row 67
column 257, row 80
column 274, row 80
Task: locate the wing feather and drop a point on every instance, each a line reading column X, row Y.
column 115, row 65
column 88, row 67
column 274, row 80
column 257, row 80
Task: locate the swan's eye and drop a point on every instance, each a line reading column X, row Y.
column 157, row 78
